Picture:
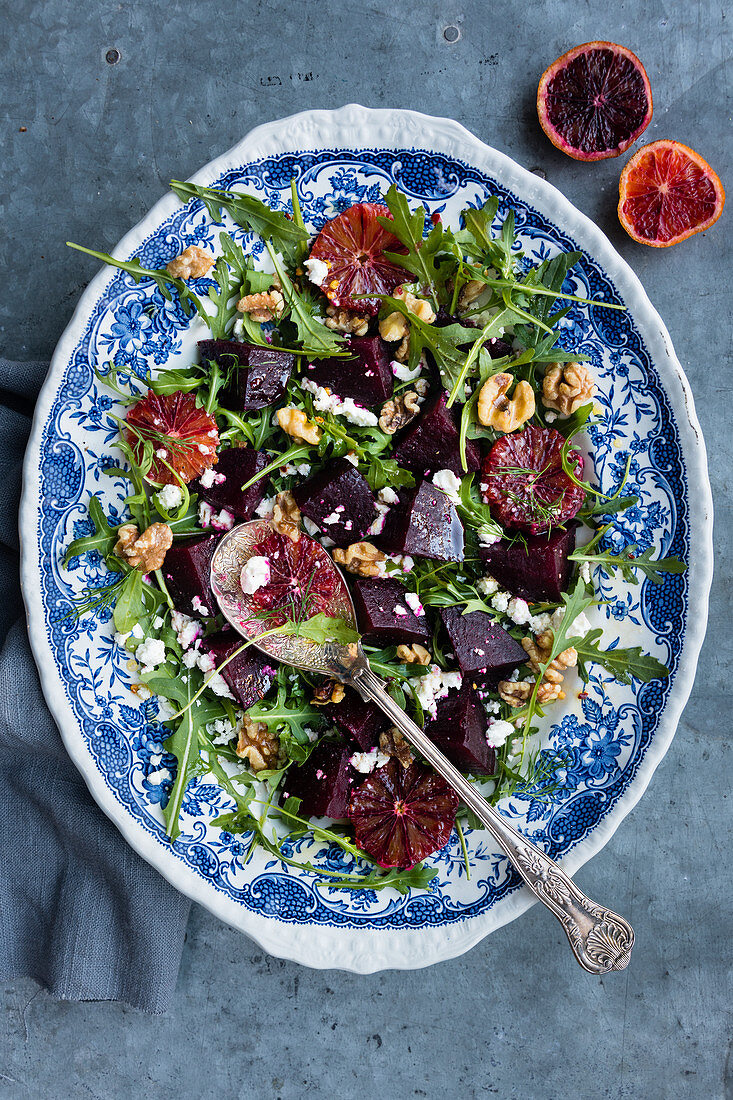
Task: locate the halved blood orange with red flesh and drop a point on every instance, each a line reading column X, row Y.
column 302, row 583
column 184, row 437
column 400, row 816
column 523, row 480
column 667, row 192
column 352, row 246
column 595, row 101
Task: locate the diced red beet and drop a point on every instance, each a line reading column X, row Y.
column 236, row 466
column 498, row 348
column 250, row 675
column 431, row 442
column 383, row 615
column 534, row 568
column 261, row 376
column 367, row 379
column 459, row 729
column 339, row 501
column 480, row 644
column 358, row 719
column 324, row 782
column 424, row 524
column 186, row 572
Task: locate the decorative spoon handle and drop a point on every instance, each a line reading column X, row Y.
column 601, row 940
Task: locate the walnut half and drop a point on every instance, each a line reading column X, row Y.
column 342, row 320
column 193, row 263
column 567, row 386
column 145, row 552
column 295, row 423
column 499, row 411
column 268, row 305
column 258, row 745
column 394, row 744
column 286, row 516
column 361, row 558
column 399, row 411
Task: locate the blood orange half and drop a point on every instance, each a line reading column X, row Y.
column 667, row 192
column 595, row 101
column 183, row 436
column 352, row 246
column 401, row 816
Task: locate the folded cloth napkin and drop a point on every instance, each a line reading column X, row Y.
column 79, row 910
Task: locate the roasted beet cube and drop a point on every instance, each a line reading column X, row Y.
column 480, row 644
column 534, row 568
column 261, row 376
column 383, row 614
column 459, row 729
column 431, row 441
column 361, row 721
column 324, row 782
column 249, row 676
column 339, row 501
column 424, row 524
column 224, row 481
column 366, row 376
column 186, row 572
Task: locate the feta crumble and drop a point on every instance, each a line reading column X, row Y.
column 255, row 574
column 498, row 732
column 387, row 496
column 198, row 606
column 448, row 483
column 170, row 497
column 150, row 653
column 266, row 507
column 325, row 401
column 413, row 602
column 435, row 685
column 366, row 762
column 317, row 271
column 487, row 586
column 187, row 629
column 579, row 627
column 486, row 536
column 403, row 373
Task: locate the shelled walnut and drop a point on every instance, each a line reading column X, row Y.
column 328, row 691
column 343, row 320
column 394, row 743
column 145, row 552
column 295, row 423
column 414, row 654
column 258, row 745
column 399, row 411
column 267, row 305
column 361, row 558
column 567, row 386
column 286, row 516
column 497, row 410
column 193, row 263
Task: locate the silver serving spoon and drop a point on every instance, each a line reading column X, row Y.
column 601, row 940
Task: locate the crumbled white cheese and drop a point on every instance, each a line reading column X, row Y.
column 585, row 572
column 435, row 685
column 403, row 372
column 206, row 514
column 190, row 658
column 579, row 626
column 210, row 477
column 518, row 611
column 265, row 508
column 120, row 639
column 351, row 457
column 158, row 622
column 500, row 602
column 486, row 536
column 333, row 517
column 161, row 452
column 378, row 523
column 400, row 610
column 317, row 271
column 402, row 561
column 198, row 606
column 487, row 586
column 325, row 401
column 387, row 496
column 221, row 731
column 366, row 762
column 550, row 417
column 170, row 497
column 290, row 468
column 413, row 602
column 497, row 733
column 255, row 574
column 150, row 653
column 448, row 483
column 187, row 629
column 137, row 631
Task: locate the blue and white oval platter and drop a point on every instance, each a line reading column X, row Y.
column 612, row 739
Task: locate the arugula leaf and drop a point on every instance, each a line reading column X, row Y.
column 249, row 212
column 322, row 628
column 129, row 607
column 418, row 877
column 159, row 276
column 317, row 340
column 381, row 472
column 607, row 507
column 474, row 513
column 102, row 540
column 408, row 227
column 628, row 562
column 621, row 663
column 448, row 345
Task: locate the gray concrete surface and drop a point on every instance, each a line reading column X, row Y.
column 88, row 146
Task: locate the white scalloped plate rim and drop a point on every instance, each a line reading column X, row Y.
column 369, row 951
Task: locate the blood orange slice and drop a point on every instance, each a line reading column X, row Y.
column 184, row 437
column 353, row 246
column 595, row 101
column 301, row 583
column 401, row 816
column 524, row 482
column 667, row 193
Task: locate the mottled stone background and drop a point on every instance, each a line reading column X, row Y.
column 89, row 143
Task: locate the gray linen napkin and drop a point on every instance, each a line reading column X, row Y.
column 79, row 911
